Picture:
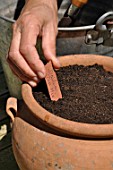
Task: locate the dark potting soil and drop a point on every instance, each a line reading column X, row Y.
column 87, row 94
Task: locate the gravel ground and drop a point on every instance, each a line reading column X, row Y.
column 7, row 7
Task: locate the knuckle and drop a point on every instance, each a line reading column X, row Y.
column 46, row 52
column 11, row 55
column 49, row 50
column 24, row 49
column 15, row 27
column 56, row 30
column 28, row 18
column 33, row 64
column 25, row 20
column 49, row 46
column 33, row 26
column 27, row 48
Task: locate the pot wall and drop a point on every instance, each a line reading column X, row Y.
column 41, row 141
column 38, row 147
column 38, row 150
column 64, row 126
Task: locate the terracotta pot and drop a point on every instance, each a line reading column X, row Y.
column 43, row 141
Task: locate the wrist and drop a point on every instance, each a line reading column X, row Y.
column 49, row 3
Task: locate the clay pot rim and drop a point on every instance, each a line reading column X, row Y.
column 64, row 125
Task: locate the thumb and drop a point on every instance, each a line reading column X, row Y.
column 49, row 45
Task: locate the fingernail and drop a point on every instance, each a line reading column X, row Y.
column 41, row 74
column 58, row 62
column 35, row 79
column 32, row 83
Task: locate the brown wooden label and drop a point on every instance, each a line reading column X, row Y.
column 52, row 83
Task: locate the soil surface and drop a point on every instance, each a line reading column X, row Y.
column 87, row 94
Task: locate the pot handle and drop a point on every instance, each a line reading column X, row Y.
column 11, row 107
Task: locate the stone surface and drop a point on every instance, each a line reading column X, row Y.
column 7, row 7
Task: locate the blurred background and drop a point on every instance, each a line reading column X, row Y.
column 7, row 160
column 7, row 7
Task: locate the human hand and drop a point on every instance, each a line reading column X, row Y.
column 37, row 19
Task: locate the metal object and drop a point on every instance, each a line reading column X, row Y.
column 102, row 32
column 63, row 19
column 7, row 19
column 63, row 8
column 75, row 6
column 82, row 28
column 71, row 11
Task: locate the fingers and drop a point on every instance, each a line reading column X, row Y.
column 49, row 44
column 27, row 49
column 16, row 58
column 22, row 77
column 23, row 57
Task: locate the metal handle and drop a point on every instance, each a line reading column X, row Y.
column 102, row 32
column 100, row 26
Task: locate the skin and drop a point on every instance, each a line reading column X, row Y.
column 37, row 19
